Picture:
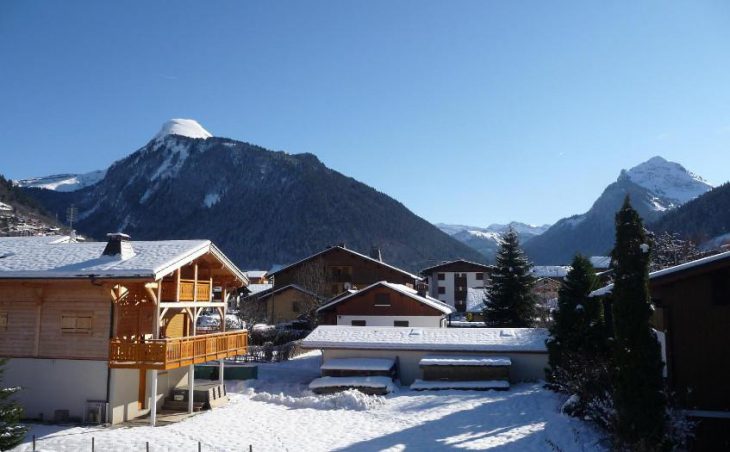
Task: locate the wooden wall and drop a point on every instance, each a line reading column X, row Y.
column 698, row 341
column 364, row 272
column 365, row 304
column 34, row 313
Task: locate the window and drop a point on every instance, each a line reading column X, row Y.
column 3, row 321
column 480, row 276
column 400, row 323
column 358, row 323
column 382, row 299
column 442, row 290
column 295, row 307
column 76, row 322
column 441, row 276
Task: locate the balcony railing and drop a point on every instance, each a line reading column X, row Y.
column 187, row 289
column 172, row 353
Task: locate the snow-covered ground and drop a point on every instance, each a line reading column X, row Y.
column 278, row 413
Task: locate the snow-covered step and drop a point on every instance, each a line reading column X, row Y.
column 368, row 385
column 478, row 385
column 464, row 360
column 359, row 367
column 465, row 367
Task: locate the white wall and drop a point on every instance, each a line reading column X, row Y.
column 525, row 366
column 56, row 384
column 125, row 391
column 387, row 320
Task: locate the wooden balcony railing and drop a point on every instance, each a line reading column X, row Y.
column 187, row 288
column 163, row 354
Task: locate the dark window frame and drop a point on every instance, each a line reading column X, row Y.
column 403, row 323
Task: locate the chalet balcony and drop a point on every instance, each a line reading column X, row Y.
column 171, row 353
column 189, row 290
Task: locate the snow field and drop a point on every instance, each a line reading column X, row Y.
column 278, row 413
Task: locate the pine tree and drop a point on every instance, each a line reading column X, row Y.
column 11, row 431
column 578, row 346
column 578, row 327
column 638, row 395
column 511, row 302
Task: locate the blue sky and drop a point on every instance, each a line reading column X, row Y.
column 467, row 112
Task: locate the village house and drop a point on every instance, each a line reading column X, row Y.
column 385, row 304
column 692, row 314
column 337, row 269
column 105, row 331
column 284, row 304
column 450, row 281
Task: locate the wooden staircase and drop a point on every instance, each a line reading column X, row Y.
column 205, row 397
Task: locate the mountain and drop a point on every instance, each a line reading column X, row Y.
column 261, row 207
column 655, row 187
column 487, row 240
column 20, row 214
column 704, row 220
column 62, row 182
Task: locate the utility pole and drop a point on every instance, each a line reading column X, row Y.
column 71, row 215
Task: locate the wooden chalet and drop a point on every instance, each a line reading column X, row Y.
column 337, row 269
column 285, row 304
column 692, row 302
column 385, row 304
column 104, row 331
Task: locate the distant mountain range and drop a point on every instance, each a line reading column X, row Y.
column 261, row 207
column 487, row 240
column 62, row 182
column 655, row 187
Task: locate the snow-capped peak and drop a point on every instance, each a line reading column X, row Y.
column 184, row 127
column 668, row 181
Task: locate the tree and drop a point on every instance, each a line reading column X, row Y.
column 511, row 301
column 669, row 250
column 12, row 431
column 578, row 348
column 638, row 394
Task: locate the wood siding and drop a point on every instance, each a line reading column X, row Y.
column 364, row 272
column 34, row 320
column 364, row 304
column 698, row 341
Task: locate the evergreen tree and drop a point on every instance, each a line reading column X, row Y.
column 11, row 431
column 578, row 347
column 638, row 394
column 511, row 302
column 578, row 328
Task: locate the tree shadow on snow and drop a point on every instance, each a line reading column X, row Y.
column 510, row 423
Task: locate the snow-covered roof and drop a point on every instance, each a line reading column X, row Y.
column 4, row 206
column 405, row 290
column 256, row 273
column 342, row 248
column 600, row 262
column 475, row 266
column 436, row 339
column 266, row 294
column 60, row 257
column 258, row 288
column 669, row 271
column 550, row 271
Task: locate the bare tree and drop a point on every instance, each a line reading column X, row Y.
column 314, row 278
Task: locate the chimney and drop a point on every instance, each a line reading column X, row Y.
column 118, row 246
column 375, row 253
column 422, row 289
